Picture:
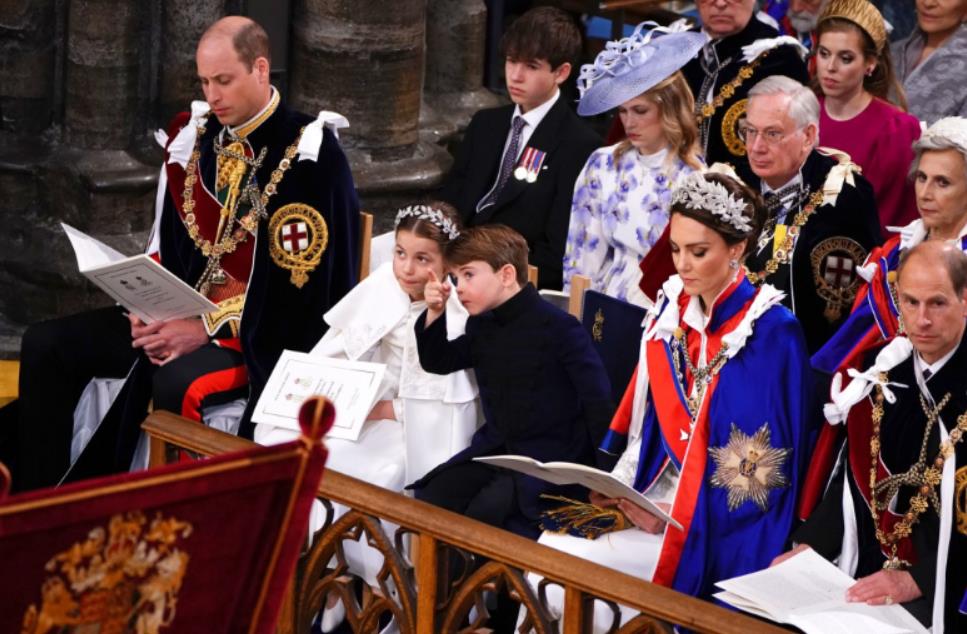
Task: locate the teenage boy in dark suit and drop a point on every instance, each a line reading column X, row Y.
column 518, row 163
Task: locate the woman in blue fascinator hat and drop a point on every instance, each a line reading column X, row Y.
column 621, row 198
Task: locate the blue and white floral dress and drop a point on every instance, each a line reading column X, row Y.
column 619, row 210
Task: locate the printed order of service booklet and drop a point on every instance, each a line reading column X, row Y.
column 144, row 287
column 809, row 592
column 352, row 386
column 573, row 473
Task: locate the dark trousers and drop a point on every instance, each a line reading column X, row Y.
column 57, row 360
column 474, row 490
column 211, row 375
column 486, row 494
column 173, row 385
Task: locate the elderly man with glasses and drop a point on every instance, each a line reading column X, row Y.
column 821, row 219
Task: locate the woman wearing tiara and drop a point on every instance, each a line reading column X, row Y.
column 420, row 419
column 621, row 197
column 722, row 463
column 854, row 75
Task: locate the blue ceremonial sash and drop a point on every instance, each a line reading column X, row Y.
column 722, row 540
column 963, row 604
column 874, row 318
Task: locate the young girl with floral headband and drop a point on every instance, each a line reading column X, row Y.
column 723, row 464
column 420, row 419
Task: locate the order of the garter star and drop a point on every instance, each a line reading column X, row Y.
column 749, row 467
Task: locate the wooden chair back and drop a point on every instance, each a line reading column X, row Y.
column 365, row 243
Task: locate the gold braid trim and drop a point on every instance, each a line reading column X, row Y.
column 784, row 252
column 227, row 241
column 925, row 478
column 582, row 518
column 728, row 90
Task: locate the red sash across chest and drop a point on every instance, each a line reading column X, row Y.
column 859, row 430
column 238, row 263
column 689, row 443
column 669, row 395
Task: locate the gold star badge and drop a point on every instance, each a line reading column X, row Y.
column 749, row 467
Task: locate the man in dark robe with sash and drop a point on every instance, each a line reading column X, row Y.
column 258, row 212
column 822, row 217
column 895, row 511
column 741, row 51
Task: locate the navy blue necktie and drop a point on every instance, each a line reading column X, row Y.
column 506, row 165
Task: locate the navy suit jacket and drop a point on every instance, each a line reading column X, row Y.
column 543, row 388
column 540, row 211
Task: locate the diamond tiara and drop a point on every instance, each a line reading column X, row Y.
column 423, row 212
column 696, row 192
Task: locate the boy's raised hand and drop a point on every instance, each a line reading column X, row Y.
column 436, row 294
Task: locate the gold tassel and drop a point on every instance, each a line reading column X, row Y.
column 582, row 519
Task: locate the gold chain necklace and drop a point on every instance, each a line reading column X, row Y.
column 726, row 91
column 926, row 479
column 702, row 377
column 228, row 241
column 784, row 252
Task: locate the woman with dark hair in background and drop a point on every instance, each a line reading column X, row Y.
column 854, row 76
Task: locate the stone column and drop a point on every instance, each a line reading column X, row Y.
column 89, row 177
column 104, row 42
column 182, row 25
column 455, row 42
column 365, row 60
column 27, row 47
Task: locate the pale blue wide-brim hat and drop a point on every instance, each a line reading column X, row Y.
column 630, row 66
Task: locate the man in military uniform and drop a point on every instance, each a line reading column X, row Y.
column 895, row 512
column 740, row 52
column 822, row 217
column 260, row 215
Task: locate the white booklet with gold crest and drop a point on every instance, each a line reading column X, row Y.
column 139, row 283
column 574, row 473
column 352, row 386
column 810, row 593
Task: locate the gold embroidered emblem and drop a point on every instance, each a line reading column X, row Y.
column 834, row 263
column 749, row 467
column 597, row 328
column 298, row 236
column 960, row 499
column 124, row 578
column 229, row 310
column 730, row 128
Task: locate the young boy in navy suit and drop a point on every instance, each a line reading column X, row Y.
column 543, row 388
column 518, row 163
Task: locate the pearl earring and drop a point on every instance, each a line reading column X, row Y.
column 733, row 263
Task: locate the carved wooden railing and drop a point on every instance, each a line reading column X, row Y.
column 422, row 601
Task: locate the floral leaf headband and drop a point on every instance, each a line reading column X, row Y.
column 696, row 192
column 423, row 212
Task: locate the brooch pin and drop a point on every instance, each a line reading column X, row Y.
column 530, row 164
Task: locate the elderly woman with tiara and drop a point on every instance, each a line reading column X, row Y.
column 621, row 198
column 939, row 174
column 723, row 465
column 420, row 419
